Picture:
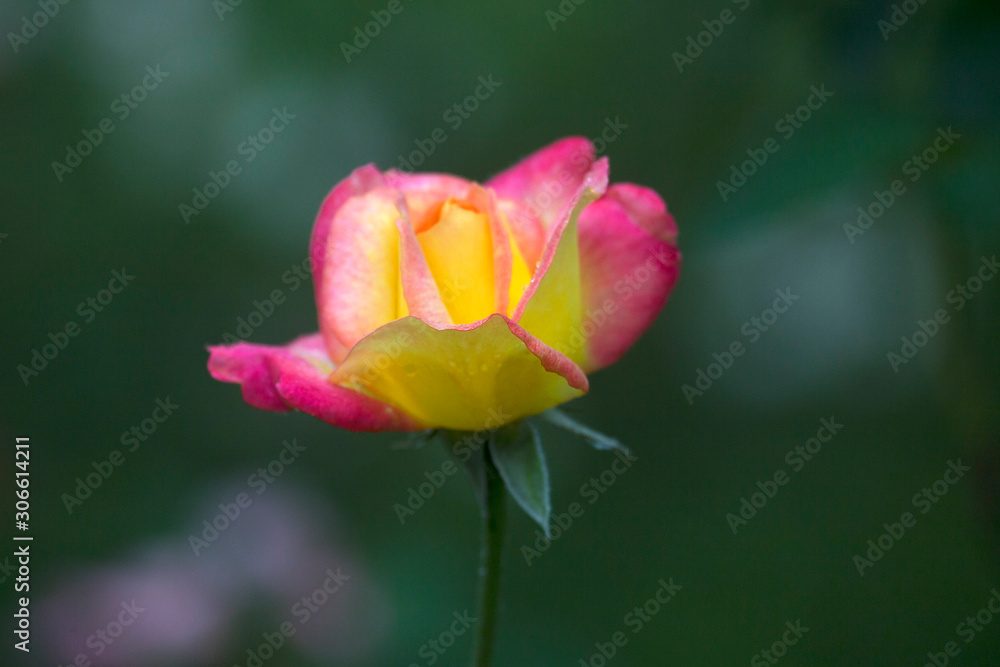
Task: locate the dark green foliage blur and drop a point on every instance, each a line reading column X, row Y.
column 859, row 292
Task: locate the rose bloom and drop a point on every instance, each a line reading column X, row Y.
column 444, row 303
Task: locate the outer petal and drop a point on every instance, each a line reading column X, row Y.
column 646, row 209
column 361, row 181
column 359, row 289
column 551, row 306
column 548, row 180
column 469, row 377
column 295, row 377
column 628, row 264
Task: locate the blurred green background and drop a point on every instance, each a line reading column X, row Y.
column 228, row 66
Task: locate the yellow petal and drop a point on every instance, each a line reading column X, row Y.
column 470, row 378
column 519, row 278
column 459, row 253
column 551, row 306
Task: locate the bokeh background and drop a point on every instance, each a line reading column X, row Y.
column 681, row 130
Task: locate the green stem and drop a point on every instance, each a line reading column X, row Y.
column 494, row 514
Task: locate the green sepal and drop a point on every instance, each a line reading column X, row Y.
column 516, row 450
column 596, row 439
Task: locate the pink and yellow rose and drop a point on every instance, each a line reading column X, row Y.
column 444, row 303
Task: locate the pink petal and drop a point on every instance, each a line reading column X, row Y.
column 628, row 264
column 361, row 180
column 359, row 289
column 296, row 377
column 547, row 180
column 646, row 208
